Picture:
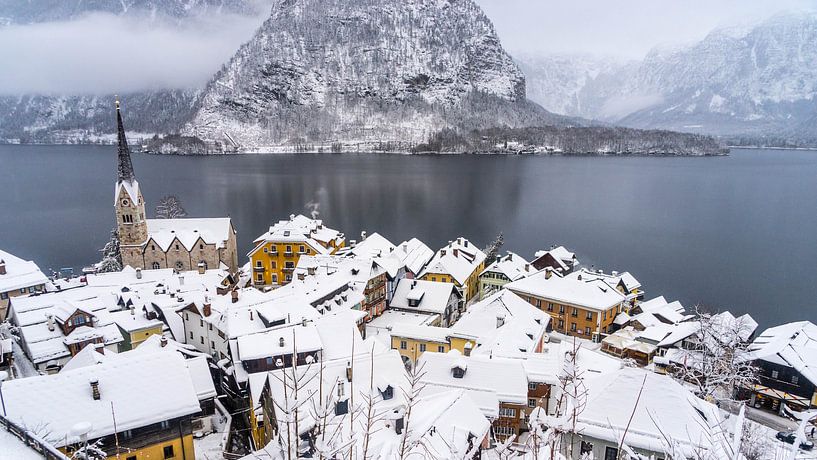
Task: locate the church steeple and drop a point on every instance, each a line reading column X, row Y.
column 125, row 167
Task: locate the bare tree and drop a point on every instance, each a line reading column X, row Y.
column 719, row 364
column 170, row 207
column 416, row 386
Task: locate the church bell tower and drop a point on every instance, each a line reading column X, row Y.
column 129, row 204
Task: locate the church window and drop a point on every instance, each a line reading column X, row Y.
column 179, row 265
column 177, row 247
column 152, row 247
column 127, row 218
column 155, row 265
column 201, row 246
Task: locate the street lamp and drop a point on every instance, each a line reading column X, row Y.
column 3, row 376
column 81, row 431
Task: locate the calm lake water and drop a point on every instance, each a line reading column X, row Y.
column 737, row 232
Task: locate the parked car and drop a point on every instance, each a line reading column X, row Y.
column 789, row 437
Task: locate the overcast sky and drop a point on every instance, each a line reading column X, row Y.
column 627, row 28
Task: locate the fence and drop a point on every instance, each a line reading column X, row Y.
column 33, row 441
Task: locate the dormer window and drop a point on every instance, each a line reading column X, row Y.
column 388, row 393
column 459, row 372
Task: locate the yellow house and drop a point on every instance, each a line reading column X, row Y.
column 460, row 263
column 412, row 341
column 151, row 395
column 135, row 327
column 277, row 251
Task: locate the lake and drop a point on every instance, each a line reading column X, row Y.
column 736, row 232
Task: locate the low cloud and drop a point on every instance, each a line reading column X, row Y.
column 102, row 53
column 618, row 107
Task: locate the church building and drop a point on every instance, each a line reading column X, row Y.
column 183, row 244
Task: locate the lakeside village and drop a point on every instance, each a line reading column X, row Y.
column 326, row 347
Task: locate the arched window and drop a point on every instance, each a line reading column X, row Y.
column 155, row 265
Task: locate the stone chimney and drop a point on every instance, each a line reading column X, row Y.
column 138, row 273
column 234, row 295
column 95, row 389
column 2, row 267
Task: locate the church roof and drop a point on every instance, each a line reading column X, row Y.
column 125, row 167
column 211, row 230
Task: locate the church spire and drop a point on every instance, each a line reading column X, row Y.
column 125, row 167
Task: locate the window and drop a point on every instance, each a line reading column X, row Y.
column 561, row 324
column 503, row 430
column 587, row 331
column 127, row 218
column 388, row 393
column 274, row 278
column 165, row 424
column 440, row 349
column 273, row 265
column 168, row 451
column 288, row 278
column 459, row 372
column 586, row 448
column 538, row 304
column 422, row 347
column 23, row 291
column 156, row 265
column 573, row 327
column 610, row 453
column 132, row 457
column 191, row 335
column 550, row 306
column 589, row 316
column 210, row 326
column 177, row 247
column 531, row 402
column 31, row 290
column 302, row 249
column 289, row 249
column 774, row 374
column 259, row 277
column 179, row 265
column 289, row 264
column 532, row 386
column 604, row 316
column 266, row 250
column 561, row 308
column 259, row 264
column 575, row 312
column 403, row 345
column 201, row 323
column 433, row 278
column 201, row 246
column 152, row 247
column 4, row 295
column 507, row 412
column 127, row 434
column 794, row 379
column 212, row 344
column 201, row 339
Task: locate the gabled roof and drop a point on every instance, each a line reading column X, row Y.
column 413, row 254
column 375, row 245
column 302, row 229
column 214, row 231
column 512, row 266
column 19, row 273
column 130, row 382
column 793, row 345
column 460, row 259
column 433, row 296
column 591, row 294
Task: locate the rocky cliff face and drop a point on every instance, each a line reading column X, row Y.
column 364, row 71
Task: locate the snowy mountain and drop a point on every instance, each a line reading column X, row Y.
column 366, row 71
column 735, row 82
column 32, row 11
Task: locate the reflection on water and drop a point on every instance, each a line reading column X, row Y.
column 736, row 232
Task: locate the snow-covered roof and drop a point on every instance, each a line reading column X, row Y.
column 545, row 367
column 505, row 325
column 616, row 279
column 15, row 449
column 301, row 229
column 381, row 326
column 215, row 231
column 444, row 423
column 460, row 259
column 140, row 388
column 504, row 377
column 413, row 254
column 512, row 265
column 793, row 345
column 133, row 321
column 19, row 273
column 591, row 294
column 427, row 333
column 299, row 338
column 375, row 245
column 648, row 407
column 432, row 296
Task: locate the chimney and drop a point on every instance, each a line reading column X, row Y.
column 207, row 307
column 467, row 348
column 2, row 267
column 281, row 342
column 465, row 242
column 50, row 323
column 510, row 256
column 352, row 243
column 349, row 371
column 399, row 423
column 500, row 320
column 549, row 272
column 310, row 270
column 138, row 273
column 95, row 389
column 163, row 342
column 201, row 268
column 301, row 276
column 181, row 280
column 363, row 235
column 234, row 295
column 132, row 310
column 456, row 252
column 442, row 252
column 292, row 217
column 251, row 317
column 527, row 267
column 405, row 248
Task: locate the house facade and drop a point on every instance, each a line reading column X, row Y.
column 460, row 263
column 18, row 278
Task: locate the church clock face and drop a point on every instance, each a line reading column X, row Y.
column 125, row 202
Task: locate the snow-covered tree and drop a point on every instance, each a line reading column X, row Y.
column 720, row 364
column 111, row 255
column 492, row 250
column 170, row 207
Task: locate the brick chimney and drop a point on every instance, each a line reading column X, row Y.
column 206, row 309
column 95, row 389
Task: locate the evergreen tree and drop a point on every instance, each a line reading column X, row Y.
column 111, row 255
column 492, row 250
